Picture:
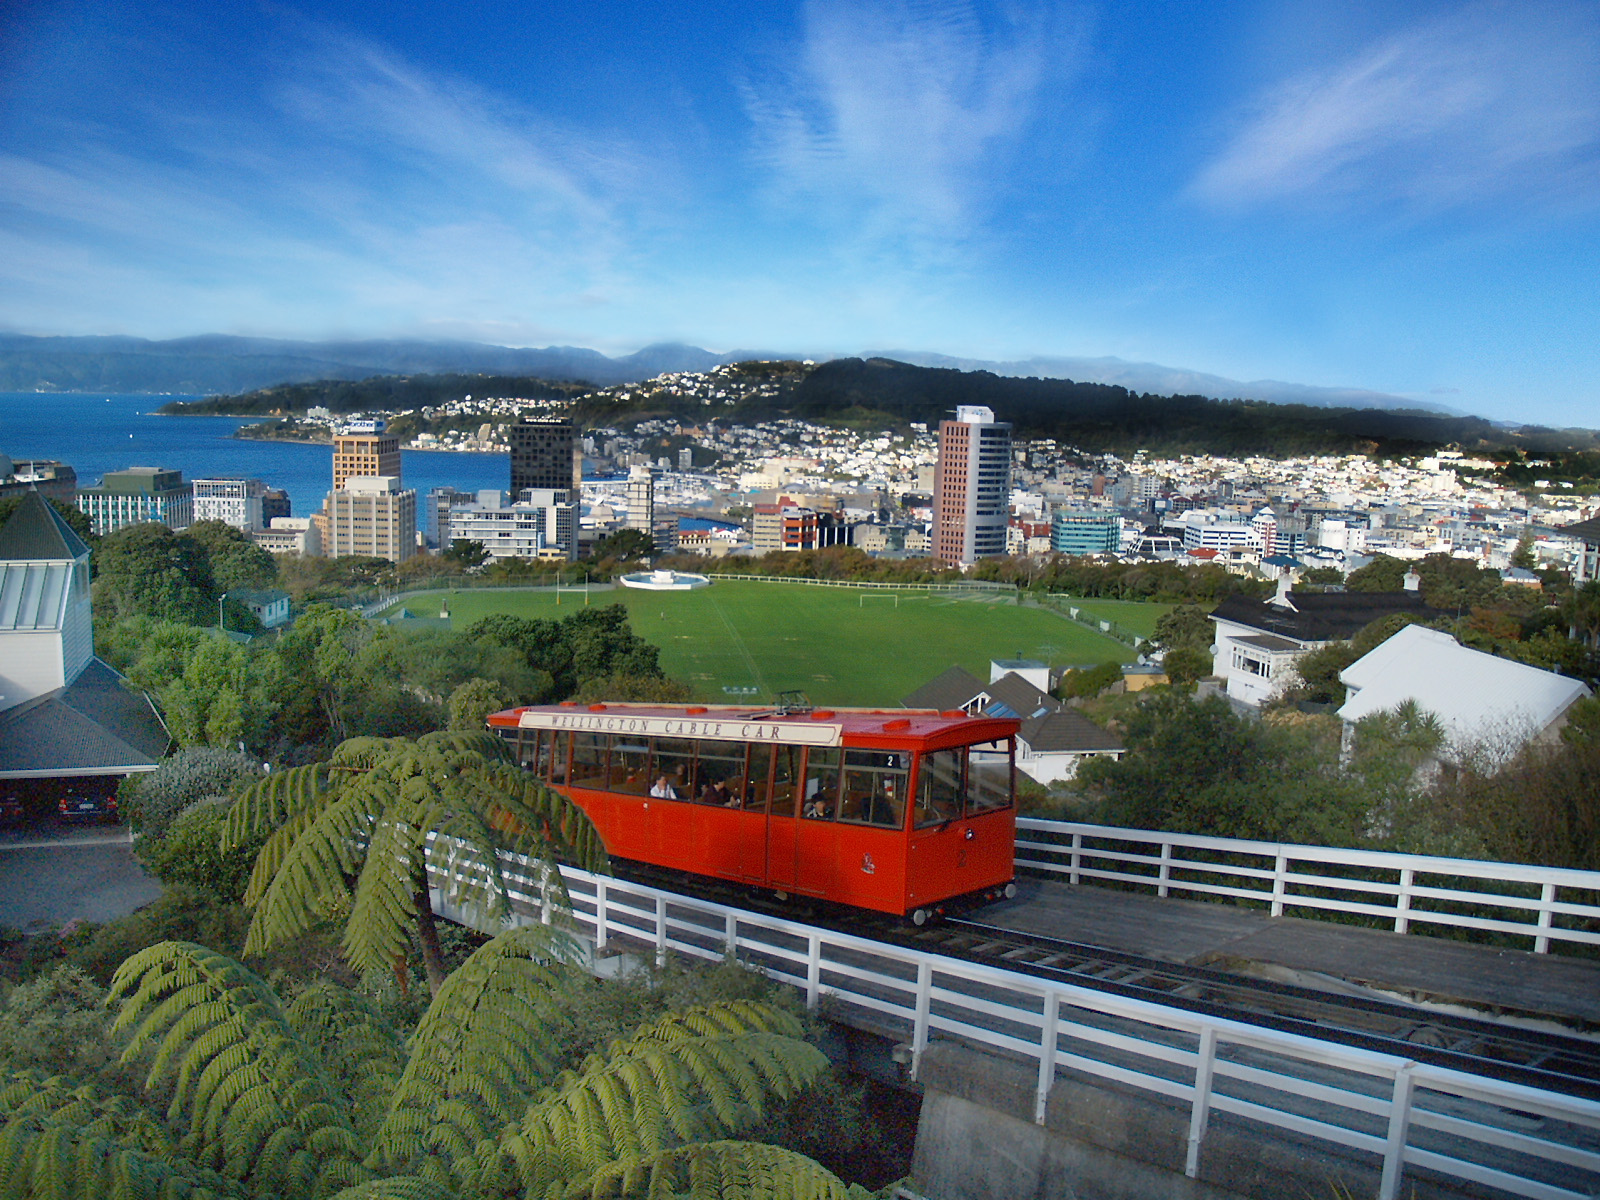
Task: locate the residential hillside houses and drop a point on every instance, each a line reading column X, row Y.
column 1054, row 739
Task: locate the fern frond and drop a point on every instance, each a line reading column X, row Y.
column 484, row 1047
column 363, row 753
column 385, row 904
column 724, row 1170
column 248, row 1088
column 357, row 1046
column 274, row 799
column 59, row 1100
column 311, row 879
column 401, row 1187
column 651, row 1095
column 42, row 1160
column 480, row 742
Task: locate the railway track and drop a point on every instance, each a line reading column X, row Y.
column 1565, row 1063
column 1559, row 1062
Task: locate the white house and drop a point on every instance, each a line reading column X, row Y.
column 1489, row 706
column 63, row 712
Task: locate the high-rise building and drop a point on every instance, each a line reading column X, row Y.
column 363, row 448
column 641, row 499
column 236, row 502
column 136, row 496
column 1073, row 532
column 545, row 454
column 371, row 517
column 971, row 484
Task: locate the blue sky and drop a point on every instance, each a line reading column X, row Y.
column 1397, row 197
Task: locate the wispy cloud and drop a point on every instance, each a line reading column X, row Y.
column 1494, row 98
column 356, row 187
column 898, row 114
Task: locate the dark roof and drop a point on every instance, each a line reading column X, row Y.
column 1266, row 641
column 36, row 532
column 1013, row 696
column 1066, row 730
column 93, row 726
column 1321, row 616
column 946, row 692
column 1588, row 531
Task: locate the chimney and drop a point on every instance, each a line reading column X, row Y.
column 1281, row 599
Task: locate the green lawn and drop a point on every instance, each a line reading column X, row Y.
column 839, row 646
column 1136, row 616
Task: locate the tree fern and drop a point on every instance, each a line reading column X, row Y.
column 360, row 830
column 721, row 1170
column 44, row 1160
column 58, row 1100
column 358, row 1048
column 256, row 1103
column 401, row 1187
column 487, row 1043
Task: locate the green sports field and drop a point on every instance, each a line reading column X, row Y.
column 840, row 646
column 1133, row 615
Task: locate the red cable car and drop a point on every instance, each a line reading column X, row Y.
column 899, row 812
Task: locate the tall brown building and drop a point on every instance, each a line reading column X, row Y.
column 972, row 487
column 362, row 448
column 545, row 454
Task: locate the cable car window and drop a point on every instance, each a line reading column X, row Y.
column 672, row 774
column 755, row 788
column 940, row 786
column 630, row 766
column 786, row 780
column 820, row 796
column 589, row 760
column 875, row 787
column 989, row 778
column 721, row 773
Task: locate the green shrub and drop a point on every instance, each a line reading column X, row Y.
column 152, row 802
column 190, row 852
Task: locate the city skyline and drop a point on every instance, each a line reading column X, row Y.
column 1399, row 200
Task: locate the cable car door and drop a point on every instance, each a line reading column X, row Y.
column 782, row 846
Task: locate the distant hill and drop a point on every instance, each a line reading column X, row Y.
column 217, row 364
column 214, row 363
column 880, row 393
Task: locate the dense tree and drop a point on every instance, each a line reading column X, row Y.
column 473, row 701
column 153, row 801
column 149, row 571
column 236, row 561
column 625, row 545
column 352, row 835
column 1193, row 766
column 463, row 553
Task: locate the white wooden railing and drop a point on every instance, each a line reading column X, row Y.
column 1543, row 904
column 1395, row 1113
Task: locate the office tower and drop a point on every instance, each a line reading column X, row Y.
column 371, row 517
column 274, row 504
column 138, row 495
column 236, row 502
column 972, row 483
column 545, row 455
column 641, row 499
column 363, row 448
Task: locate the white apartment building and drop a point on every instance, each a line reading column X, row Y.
column 235, row 502
column 542, row 524
column 290, row 535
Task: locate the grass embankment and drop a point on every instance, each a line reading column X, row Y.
column 840, row 646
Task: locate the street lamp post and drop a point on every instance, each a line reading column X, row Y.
column 220, row 626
